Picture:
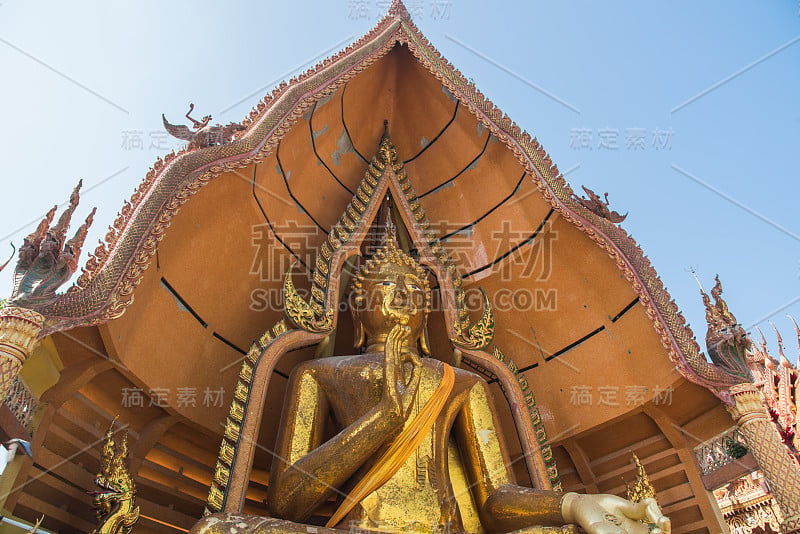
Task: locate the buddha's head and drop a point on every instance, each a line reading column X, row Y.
column 390, row 288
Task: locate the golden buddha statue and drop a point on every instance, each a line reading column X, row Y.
column 409, row 426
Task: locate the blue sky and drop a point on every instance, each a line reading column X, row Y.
column 686, row 113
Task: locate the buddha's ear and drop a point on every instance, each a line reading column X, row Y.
column 424, row 343
column 359, row 336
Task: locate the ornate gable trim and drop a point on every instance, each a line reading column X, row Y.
column 115, row 269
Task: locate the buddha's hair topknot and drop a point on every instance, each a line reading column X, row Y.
column 389, row 252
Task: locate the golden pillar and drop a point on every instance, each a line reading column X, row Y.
column 780, row 469
column 19, row 331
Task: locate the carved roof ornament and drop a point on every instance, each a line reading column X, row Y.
column 13, row 251
column 398, row 10
column 718, row 316
column 728, row 344
column 783, row 396
column 748, row 507
column 599, row 206
column 114, row 502
column 204, row 134
column 779, row 383
column 46, row 258
column 641, row 488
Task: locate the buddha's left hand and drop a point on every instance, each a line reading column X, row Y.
column 609, row 514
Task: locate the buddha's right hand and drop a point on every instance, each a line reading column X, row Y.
column 399, row 392
column 609, row 514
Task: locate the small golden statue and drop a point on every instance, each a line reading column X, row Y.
column 418, row 447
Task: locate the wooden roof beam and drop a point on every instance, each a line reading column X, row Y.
column 697, row 526
column 171, row 482
column 654, row 477
column 76, row 420
column 148, row 438
column 72, row 379
column 677, row 506
column 180, row 468
column 163, row 513
column 581, row 463
column 154, row 491
column 206, row 456
column 54, row 463
column 160, row 448
column 677, row 436
column 261, row 476
column 72, row 441
column 676, row 494
column 632, row 467
column 105, row 416
column 54, row 512
column 626, row 450
column 71, row 490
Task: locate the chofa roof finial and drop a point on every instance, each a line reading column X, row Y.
column 46, row 259
column 398, row 10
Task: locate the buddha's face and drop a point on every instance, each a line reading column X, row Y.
column 393, row 294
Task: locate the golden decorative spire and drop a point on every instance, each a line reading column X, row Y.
column 108, row 451
column 641, row 488
column 116, row 495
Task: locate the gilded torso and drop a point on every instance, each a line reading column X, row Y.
column 418, row 497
